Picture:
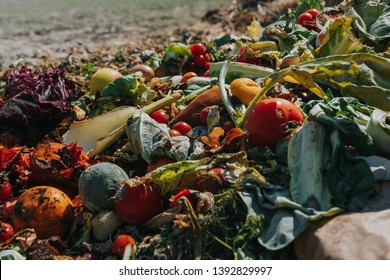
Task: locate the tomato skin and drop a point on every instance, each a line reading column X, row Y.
column 182, row 127
column 160, row 116
column 307, row 20
column 265, row 123
column 188, row 76
column 197, row 49
column 120, row 243
column 174, row 133
column 199, row 61
column 138, row 204
column 6, row 231
column 315, row 13
column 5, row 190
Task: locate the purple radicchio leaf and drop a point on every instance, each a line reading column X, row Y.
column 32, row 96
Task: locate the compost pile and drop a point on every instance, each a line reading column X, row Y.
column 221, row 149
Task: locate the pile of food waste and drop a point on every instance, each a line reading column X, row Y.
column 222, row 149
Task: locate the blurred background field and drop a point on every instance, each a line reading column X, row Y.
column 51, row 28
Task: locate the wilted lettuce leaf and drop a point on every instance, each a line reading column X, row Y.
column 340, row 39
column 131, row 87
column 359, row 75
column 372, row 20
column 151, row 140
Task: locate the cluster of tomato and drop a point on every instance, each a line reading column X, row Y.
column 200, row 60
column 308, row 19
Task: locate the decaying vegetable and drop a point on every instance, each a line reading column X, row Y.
column 99, row 183
column 47, row 210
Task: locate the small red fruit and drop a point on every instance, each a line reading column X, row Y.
column 182, row 127
column 160, row 116
column 174, row 133
column 5, row 190
column 204, row 114
column 120, row 243
column 6, row 231
column 197, row 49
column 307, row 20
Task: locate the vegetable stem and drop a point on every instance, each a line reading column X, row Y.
column 222, row 91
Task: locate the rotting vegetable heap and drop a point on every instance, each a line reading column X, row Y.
column 225, row 149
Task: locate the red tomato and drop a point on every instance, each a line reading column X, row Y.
column 227, row 125
column 199, row 61
column 188, row 76
column 158, row 163
column 307, row 20
column 6, row 231
column 207, row 73
column 197, row 49
column 120, row 243
column 174, row 133
column 160, row 116
column 315, row 13
column 138, row 204
column 7, row 208
column 182, row 127
column 265, row 123
column 5, row 190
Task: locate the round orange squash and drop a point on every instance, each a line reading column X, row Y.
column 46, row 209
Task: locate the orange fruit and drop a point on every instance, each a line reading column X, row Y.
column 244, row 89
column 46, row 209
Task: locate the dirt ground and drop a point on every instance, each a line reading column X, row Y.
column 36, row 31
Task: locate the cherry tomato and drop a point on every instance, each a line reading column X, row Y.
column 6, row 231
column 207, row 73
column 89, row 256
column 138, row 204
column 160, row 116
column 307, row 20
column 199, row 61
column 315, row 13
column 188, row 76
column 203, row 115
column 182, row 127
column 197, row 49
column 120, row 243
column 174, row 133
column 5, row 190
column 207, row 56
column 265, row 123
column 159, row 163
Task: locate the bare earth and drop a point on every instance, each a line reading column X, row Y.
column 32, row 30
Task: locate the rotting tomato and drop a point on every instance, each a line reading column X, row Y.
column 120, row 243
column 182, row 127
column 267, row 122
column 5, row 190
column 307, row 20
column 138, row 204
column 160, row 116
column 6, row 231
